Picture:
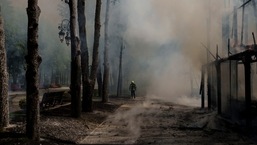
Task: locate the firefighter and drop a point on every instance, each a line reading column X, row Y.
column 132, row 89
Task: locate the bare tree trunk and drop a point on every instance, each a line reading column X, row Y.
column 75, row 64
column 33, row 61
column 100, row 80
column 84, row 51
column 119, row 87
column 4, row 105
column 92, row 77
column 106, row 55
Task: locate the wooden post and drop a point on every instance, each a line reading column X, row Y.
column 218, row 86
column 209, row 86
column 248, row 93
column 217, row 65
column 246, row 29
column 243, row 22
column 229, row 48
column 230, row 75
column 208, row 67
column 202, row 88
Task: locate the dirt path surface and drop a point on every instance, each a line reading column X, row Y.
column 155, row 122
column 130, row 121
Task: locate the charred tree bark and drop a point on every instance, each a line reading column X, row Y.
column 75, row 86
column 4, row 105
column 33, row 61
column 106, row 55
column 84, row 51
column 248, row 93
column 92, row 77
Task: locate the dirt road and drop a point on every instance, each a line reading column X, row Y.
column 143, row 121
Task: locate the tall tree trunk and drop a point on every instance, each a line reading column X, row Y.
column 4, row 105
column 106, row 55
column 75, row 64
column 119, row 87
column 92, row 77
column 84, row 51
column 33, row 61
column 99, row 80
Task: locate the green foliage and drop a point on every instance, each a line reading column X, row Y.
column 15, row 39
column 55, row 55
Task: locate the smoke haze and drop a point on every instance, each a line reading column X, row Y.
column 163, row 52
column 164, row 42
column 164, row 39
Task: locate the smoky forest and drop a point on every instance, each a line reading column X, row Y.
column 128, row 72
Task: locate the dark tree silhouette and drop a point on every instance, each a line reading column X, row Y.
column 99, row 78
column 84, row 51
column 106, row 58
column 33, row 61
column 4, row 105
column 92, row 76
column 119, row 87
column 75, row 64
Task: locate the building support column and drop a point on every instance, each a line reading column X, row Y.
column 248, row 93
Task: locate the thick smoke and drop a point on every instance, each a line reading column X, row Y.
column 164, row 39
column 163, row 52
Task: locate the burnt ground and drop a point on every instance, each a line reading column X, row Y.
column 128, row 121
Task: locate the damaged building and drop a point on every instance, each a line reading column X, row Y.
column 228, row 82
